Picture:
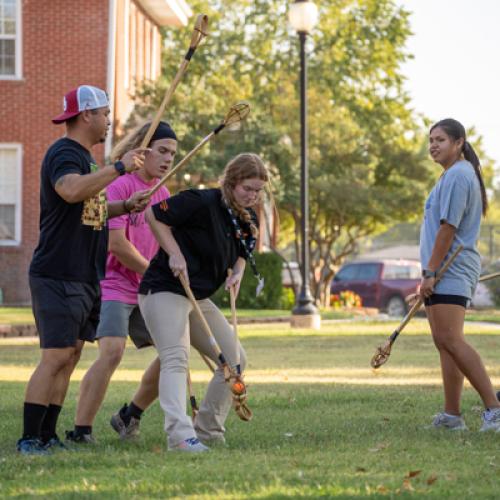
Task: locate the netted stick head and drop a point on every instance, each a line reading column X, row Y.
column 237, row 113
column 241, row 407
column 381, row 355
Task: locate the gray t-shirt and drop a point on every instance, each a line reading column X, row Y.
column 455, row 199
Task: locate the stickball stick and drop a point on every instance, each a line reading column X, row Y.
column 383, row 352
column 206, row 327
column 238, row 387
column 234, row 321
column 199, row 31
column 487, row 277
column 237, row 113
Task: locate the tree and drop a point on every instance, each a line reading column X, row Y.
column 367, row 163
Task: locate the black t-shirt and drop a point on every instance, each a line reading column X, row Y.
column 67, row 249
column 203, row 229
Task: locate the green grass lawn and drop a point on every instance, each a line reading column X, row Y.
column 16, row 316
column 325, row 425
column 23, row 315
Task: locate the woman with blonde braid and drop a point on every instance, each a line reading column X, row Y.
column 202, row 234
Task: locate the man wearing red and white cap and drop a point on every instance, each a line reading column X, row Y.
column 70, row 257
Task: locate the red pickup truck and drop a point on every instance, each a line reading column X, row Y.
column 383, row 283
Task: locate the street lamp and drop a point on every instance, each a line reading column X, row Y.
column 303, row 16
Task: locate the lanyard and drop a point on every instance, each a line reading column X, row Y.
column 248, row 245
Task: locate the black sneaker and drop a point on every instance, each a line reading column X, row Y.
column 31, row 447
column 79, row 438
column 55, row 444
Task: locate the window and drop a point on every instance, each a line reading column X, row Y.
column 367, row 272
column 358, row 272
column 10, row 194
column 10, row 39
column 401, row 272
column 347, row 273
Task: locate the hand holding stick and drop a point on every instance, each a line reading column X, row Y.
column 383, row 352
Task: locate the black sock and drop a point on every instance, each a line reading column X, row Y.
column 83, row 429
column 34, row 415
column 130, row 411
column 50, row 422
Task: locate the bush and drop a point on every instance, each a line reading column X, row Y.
column 287, row 299
column 271, row 297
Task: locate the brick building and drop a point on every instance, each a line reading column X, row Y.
column 48, row 47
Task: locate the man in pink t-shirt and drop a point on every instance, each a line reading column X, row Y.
column 131, row 247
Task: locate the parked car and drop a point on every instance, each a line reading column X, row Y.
column 383, row 283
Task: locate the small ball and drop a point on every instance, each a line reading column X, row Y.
column 238, row 388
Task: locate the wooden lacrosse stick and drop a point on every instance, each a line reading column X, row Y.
column 383, row 352
column 234, row 321
column 487, row 277
column 238, row 387
column 237, row 113
column 228, row 372
column 199, row 31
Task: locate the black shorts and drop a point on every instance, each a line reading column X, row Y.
column 65, row 311
column 440, row 298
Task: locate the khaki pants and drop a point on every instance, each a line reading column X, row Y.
column 173, row 326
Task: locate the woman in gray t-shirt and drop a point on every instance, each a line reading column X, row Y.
column 452, row 217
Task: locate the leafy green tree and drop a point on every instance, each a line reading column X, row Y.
column 367, row 163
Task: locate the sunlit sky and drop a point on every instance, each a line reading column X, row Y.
column 456, row 69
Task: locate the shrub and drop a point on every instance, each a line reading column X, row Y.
column 347, row 298
column 287, row 298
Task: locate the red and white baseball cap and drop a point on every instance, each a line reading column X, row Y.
column 82, row 98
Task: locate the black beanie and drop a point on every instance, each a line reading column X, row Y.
column 163, row 131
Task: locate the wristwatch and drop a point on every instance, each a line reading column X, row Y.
column 120, row 167
column 428, row 274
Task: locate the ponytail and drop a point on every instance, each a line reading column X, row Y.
column 471, row 156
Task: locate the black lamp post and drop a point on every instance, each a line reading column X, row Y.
column 303, row 16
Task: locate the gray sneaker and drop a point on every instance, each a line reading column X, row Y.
column 125, row 431
column 491, row 420
column 450, row 422
column 79, row 438
column 191, row 445
column 214, row 442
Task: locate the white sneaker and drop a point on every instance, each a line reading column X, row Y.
column 191, row 445
column 491, row 420
column 450, row 422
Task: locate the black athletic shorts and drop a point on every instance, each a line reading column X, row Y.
column 64, row 311
column 441, row 298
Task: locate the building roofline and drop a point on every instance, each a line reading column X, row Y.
column 167, row 12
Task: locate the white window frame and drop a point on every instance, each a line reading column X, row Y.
column 126, row 44
column 17, row 232
column 18, row 37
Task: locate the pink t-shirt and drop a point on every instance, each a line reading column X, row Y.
column 121, row 284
